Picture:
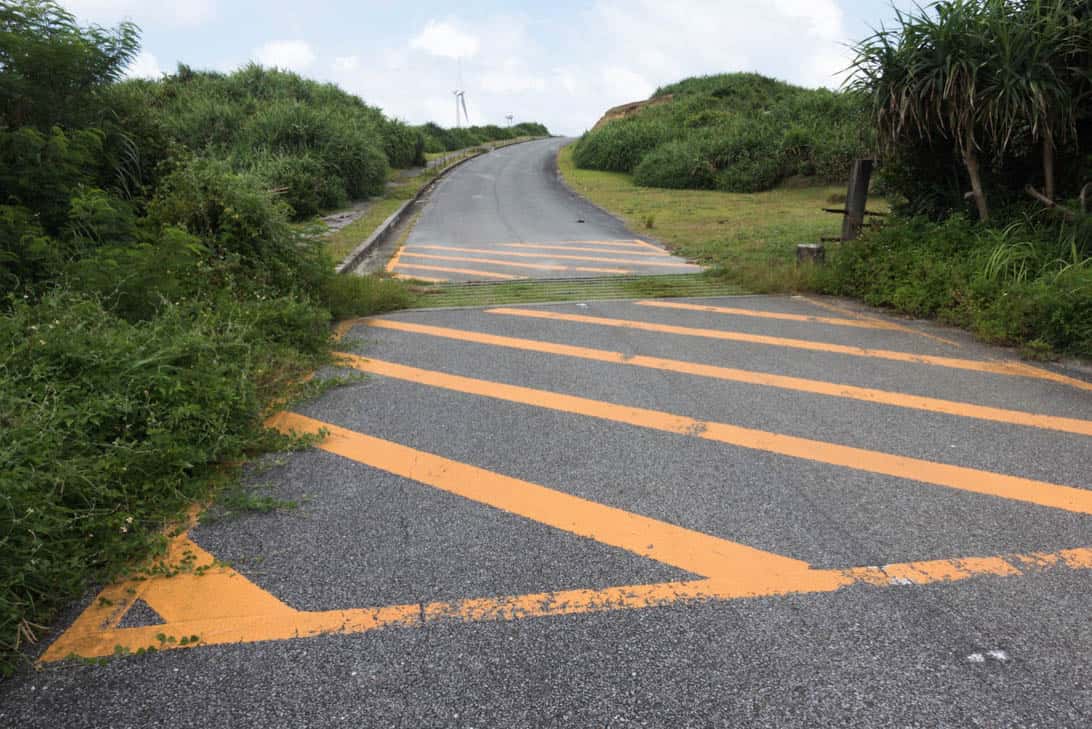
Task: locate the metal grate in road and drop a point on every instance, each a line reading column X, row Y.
column 479, row 293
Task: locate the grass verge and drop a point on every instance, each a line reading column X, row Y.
column 1027, row 285
column 746, row 239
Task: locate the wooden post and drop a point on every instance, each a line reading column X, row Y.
column 811, row 253
column 856, row 199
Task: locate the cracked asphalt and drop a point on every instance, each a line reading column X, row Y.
column 508, row 473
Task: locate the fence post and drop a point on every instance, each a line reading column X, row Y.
column 856, row 199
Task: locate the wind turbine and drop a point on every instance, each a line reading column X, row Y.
column 460, row 100
column 460, row 108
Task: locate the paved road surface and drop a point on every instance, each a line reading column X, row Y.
column 505, row 216
column 731, row 512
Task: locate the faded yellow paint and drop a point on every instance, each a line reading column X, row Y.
column 648, row 245
column 511, row 264
column 222, row 606
column 394, row 260
column 464, row 271
column 850, row 312
column 1008, row 367
column 559, row 256
column 988, row 483
column 816, row 387
column 547, row 247
column 758, row 314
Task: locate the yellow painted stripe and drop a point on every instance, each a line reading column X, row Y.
column 394, row 259
column 93, row 641
column 628, row 262
column 666, row 543
column 608, row 243
column 222, row 606
column 817, row 387
column 648, row 245
column 842, row 310
column 858, row 323
column 510, row 264
column 464, row 271
column 540, row 246
column 1040, row 493
column 1012, row 369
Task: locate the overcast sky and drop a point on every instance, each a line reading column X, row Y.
column 562, row 62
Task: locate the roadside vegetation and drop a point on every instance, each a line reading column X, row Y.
column 155, row 298
column 438, row 140
column 746, row 239
column 981, row 112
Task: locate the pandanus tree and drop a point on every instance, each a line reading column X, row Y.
column 982, row 75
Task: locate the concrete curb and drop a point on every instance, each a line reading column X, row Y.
column 380, row 234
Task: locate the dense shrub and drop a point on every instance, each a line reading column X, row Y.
column 44, row 169
column 438, row 139
column 260, row 120
column 680, row 163
column 978, row 100
column 1031, row 282
column 621, row 145
column 359, row 163
column 736, row 132
column 110, row 428
column 303, row 182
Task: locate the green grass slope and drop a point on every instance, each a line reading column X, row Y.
column 731, row 132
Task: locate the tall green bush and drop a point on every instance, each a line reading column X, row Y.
column 734, row 132
column 990, row 95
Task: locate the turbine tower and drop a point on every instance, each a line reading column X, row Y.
column 461, row 114
column 460, row 101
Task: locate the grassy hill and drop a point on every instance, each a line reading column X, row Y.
column 316, row 145
column 731, row 132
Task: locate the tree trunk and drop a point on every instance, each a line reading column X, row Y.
column 970, row 159
column 1048, row 167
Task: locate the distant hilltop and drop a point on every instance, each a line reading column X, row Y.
column 621, row 112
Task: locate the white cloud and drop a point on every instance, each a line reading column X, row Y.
column 531, row 67
column 294, row 55
column 511, row 77
column 445, row 39
column 796, row 40
column 623, row 83
column 145, row 65
column 184, row 13
column 346, row 64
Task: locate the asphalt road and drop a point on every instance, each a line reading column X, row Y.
column 505, row 215
column 740, row 512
